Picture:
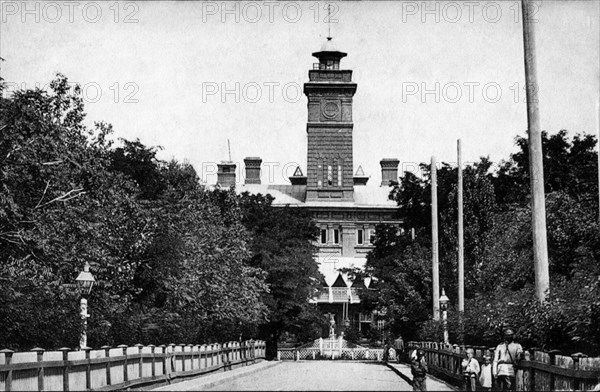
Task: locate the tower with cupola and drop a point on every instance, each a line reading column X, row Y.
column 329, row 162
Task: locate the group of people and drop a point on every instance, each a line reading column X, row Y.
column 502, row 369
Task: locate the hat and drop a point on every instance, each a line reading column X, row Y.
column 420, row 352
column 508, row 332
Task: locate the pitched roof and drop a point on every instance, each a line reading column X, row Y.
column 329, row 266
column 295, row 195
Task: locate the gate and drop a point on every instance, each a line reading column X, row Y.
column 332, row 349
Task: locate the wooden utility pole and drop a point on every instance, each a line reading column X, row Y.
column 434, row 242
column 461, row 245
column 536, row 164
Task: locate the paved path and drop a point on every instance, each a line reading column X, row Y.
column 318, row 376
column 209, row 380
column 308, row 376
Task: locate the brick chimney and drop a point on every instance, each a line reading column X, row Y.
column 252, row 170
column 226, row 174
column 389, row 171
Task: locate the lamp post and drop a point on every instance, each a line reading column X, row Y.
column 444, row 300
column 85, row 281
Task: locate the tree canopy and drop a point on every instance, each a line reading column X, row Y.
column 498, row 254
column 173, row 260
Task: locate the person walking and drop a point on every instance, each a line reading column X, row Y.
column 505, row 358
column 399, row 347
column 485, row 378
column 419, row 371
column 470, row 367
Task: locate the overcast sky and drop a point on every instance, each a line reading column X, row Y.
column 427, row 73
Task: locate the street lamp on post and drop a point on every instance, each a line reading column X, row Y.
column 85, row 280
column 444, row 300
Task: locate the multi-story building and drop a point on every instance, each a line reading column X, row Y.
column 342, row 202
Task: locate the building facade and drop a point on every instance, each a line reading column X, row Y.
column 345, row 207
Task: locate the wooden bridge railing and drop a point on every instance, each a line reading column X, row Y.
column 120, row 367
column 537, row 371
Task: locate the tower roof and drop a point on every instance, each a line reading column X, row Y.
column 329, row 49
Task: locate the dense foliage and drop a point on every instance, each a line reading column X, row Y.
column 282, row 246
column 499, row 275
column 173, row 261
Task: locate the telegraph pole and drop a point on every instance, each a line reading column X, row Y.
column 536, row 165
column 461, row 245
column 434, row 242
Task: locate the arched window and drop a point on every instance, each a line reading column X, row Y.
column 320, row 174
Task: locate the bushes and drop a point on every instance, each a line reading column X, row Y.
column 567, row 321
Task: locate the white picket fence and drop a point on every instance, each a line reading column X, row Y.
column 332, row 349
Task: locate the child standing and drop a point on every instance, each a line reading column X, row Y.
column 470, row 371
column 485, row 379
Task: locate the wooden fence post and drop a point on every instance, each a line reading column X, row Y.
column 152, row 351
column 65, row 373
column 88, row 368
column 124, row 348
column 576, row 357
column 227, row 356
column 140, row 361
column 195, row 349
column 527, row 375
column 173, row 361
column 552, row 354
column 163, row 350
column 182, row 357
column 7, row 360
column 219, row 353
column 107, row 356
column 454, row 368
column 191, row 346
column 40, row 370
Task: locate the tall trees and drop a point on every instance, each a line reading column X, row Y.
column 173, row 261
column 498, row 246
column 167, row 266
column 282, row 247
column 60, row 207
column 401, row 290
